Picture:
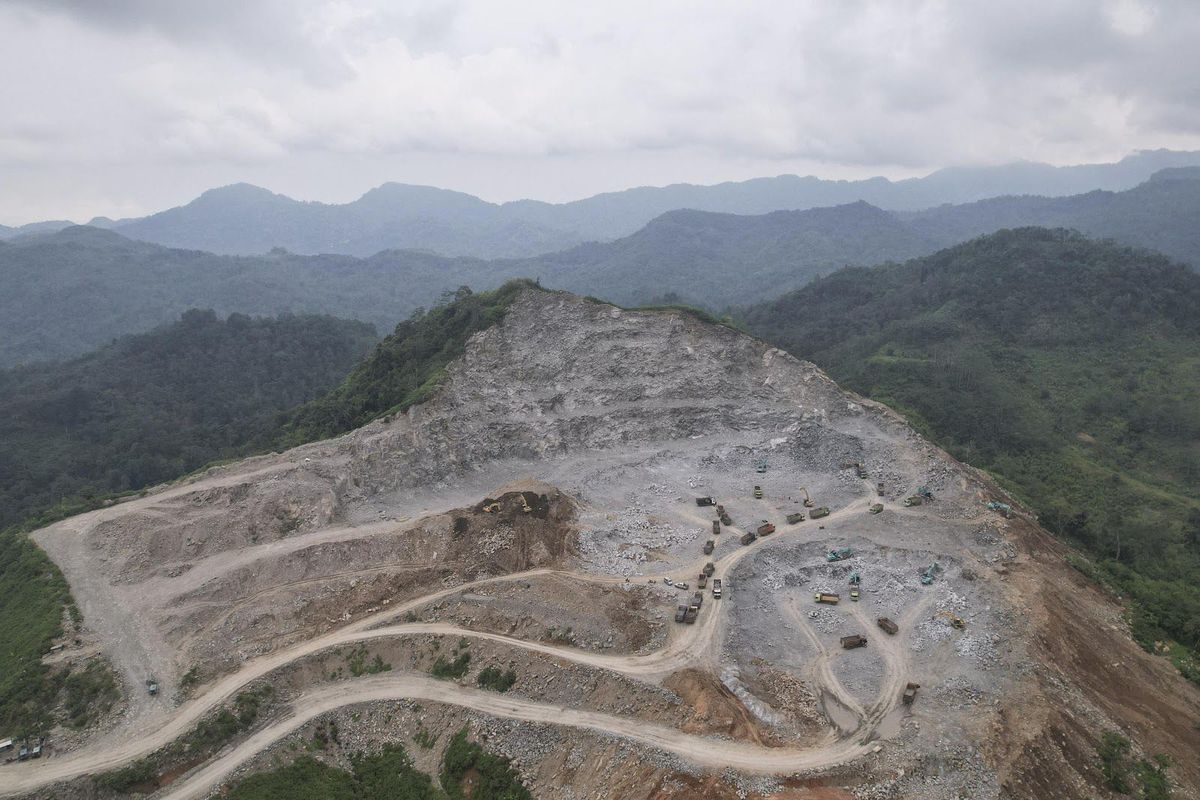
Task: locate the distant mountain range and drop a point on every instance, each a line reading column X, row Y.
column 244, row 219
column 65, row 293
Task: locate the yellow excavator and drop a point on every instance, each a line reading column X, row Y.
column 956, row 621
column 808, row 502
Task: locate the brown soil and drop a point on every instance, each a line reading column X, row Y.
column 715, row 709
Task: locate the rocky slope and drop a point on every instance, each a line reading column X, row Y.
column 611, row 422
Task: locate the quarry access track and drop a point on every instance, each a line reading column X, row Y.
column 697, row 644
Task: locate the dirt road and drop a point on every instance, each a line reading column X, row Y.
column 694, row 645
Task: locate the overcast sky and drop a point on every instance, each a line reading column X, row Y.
column 123, row 107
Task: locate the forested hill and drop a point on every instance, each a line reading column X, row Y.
column 717, row 260
column 1067, row 367
column 152, row 407
column 1160, row 214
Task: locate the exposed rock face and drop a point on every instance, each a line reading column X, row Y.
column 594, row 429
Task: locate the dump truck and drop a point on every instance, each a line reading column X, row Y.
column 716, row 588
column 915, row 500
column 758, row 495
column 680, row 613
column 765, row 529
column 726, row 521
column 860, row 470
column 698, row 599
column 795, row 517
column 879, row 490
column 888, row 626
column 36, row 750
column 875, row 508
column 828, row 598
column 851, row 642
column 748, row 538
column 716, row 527
column 704, row 501
column 910, row 693
column 701, row 581
column 817, row 513
column 708, row 547
column 690, row 615
column 841, row 554
column 710, row 568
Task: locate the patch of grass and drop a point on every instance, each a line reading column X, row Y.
column 451, row 670
column 495, row 679
column 491, row 776
column 90, row 693
column 386, row 775
column 358, row 665
column 424, row 739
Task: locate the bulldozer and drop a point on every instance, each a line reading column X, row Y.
column 876, row 508
column 915, row 500
column 808, row 501
column 758, row 493
column 955, row 621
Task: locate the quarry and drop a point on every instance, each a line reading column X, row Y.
column 541, row 513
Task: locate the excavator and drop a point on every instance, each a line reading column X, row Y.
column 808, row 501
column 929, row 574
column 956, row 621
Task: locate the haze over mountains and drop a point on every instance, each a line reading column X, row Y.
column 244, row 219
column 74, row 290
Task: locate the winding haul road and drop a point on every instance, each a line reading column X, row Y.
column 697, row 644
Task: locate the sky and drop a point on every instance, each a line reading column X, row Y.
column 124, row 107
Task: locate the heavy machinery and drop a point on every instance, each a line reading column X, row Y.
column 923, row 491
column 915, row 500
column 725, row 520
column 888, row 626
column 492, row 507
column 760, row 466
column 879, row 490
column 704, row 501
column 808, row 501
column 766, row 528
column 928, row 576
column 748, row 538
column 854, row 579
column 701, row 581
column 716, row 527
column 910, row 693
column 851, row 642
column 680, row 613
column 151, row 686
column 875, row 508
column 525, row 504
column 955, row 620
column 708, row 547
column 817, row 513
column 860, row 470
column 716, row 588
column 839, row 554
column 828, row 598
column 758, row 494
column 794, row 518
column 710, row 568
column 1003, row 508
column 854, row 593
